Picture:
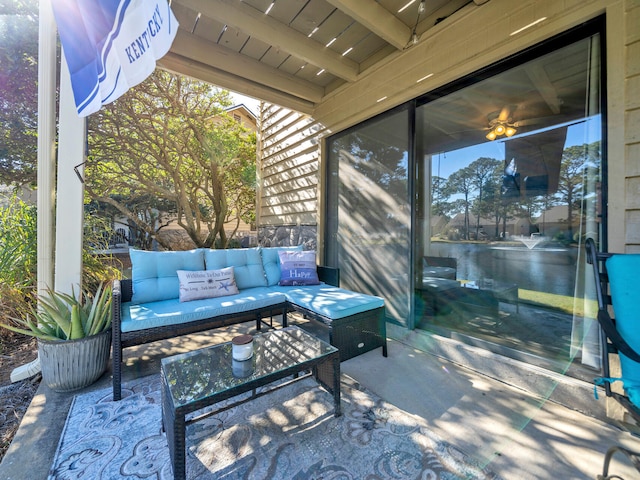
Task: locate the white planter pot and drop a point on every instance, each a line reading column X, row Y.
column 73, row 364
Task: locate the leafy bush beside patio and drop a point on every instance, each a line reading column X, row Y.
column 18, row 258
column 18, row 261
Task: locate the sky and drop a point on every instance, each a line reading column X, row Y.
column 446, row 163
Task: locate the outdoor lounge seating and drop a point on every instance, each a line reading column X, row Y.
column 148, row 307
column 439, row 267
column 440, row 296
column 613, row 291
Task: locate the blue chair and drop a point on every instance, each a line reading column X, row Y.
column 616, row 278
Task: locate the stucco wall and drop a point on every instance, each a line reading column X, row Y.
column 290, row 155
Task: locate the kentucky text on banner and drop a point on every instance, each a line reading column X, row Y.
column 111, row 45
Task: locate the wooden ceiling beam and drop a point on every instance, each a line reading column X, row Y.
column 377, row 19
column 206, row 73
column 263, row 27
column 222, row 58
column 440, row 15
column 540, row 80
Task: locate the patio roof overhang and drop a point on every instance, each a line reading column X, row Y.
column 294, row 53
column 309, row 55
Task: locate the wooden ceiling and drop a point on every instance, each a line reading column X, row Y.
column 294, row 52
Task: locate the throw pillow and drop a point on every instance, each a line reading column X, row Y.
column 206, row 284
column 298, row 268
column 271, row 262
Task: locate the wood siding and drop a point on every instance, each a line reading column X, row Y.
column 631, row 153
column 288, row 167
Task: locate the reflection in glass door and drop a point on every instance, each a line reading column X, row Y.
column 508, row 172
column 368, row 210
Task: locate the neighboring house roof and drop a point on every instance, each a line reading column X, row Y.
column 439, row 220
column 243, row 107
column 243, row 115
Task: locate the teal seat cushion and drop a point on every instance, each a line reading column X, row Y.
column 173, row 312
column 271, row 262
column 623, row 273
column 246, row 263
column 154, row 274
column 330, row 302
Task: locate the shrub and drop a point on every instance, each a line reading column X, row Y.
column 98, row 269
column 18, row 258
column 19, row 253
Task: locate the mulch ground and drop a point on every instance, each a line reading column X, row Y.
column 15, row 350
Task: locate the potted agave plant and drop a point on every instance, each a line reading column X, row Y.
column 74, row 337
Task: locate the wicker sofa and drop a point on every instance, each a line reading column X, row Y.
column 148, row 307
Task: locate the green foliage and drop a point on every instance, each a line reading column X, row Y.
column 18, row 261
column 167, row 152
column 18, row 93
column 62, row 316
column 476, row 190
column 18, row 230
column 97, row 269
column 18, row 254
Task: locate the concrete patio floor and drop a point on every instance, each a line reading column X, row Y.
column 518, row 435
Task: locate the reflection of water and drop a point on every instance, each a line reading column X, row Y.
column 551, row 270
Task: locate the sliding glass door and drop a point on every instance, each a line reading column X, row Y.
column 368, row 209
column 467, row 209
column 508, row 176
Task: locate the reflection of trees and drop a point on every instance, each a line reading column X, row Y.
column 459, row 183
column 482, row 172
column 374, row 180
column 492, row 205
column 439, row 204
column 570, row 188
column 476, row 189
column 374, row 210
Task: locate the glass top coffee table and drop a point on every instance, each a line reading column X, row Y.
column 202, row 378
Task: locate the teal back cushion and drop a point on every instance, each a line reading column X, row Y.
column 271, row 262
column 246, row 263
column 623, row 277
column 154, row 274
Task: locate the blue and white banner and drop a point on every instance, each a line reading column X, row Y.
column 111, row 45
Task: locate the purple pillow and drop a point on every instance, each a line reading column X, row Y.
column 298, row 268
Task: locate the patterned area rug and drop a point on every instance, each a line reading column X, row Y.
column 288, row 434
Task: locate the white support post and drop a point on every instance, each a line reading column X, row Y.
column 70, row 190
column 46, row 144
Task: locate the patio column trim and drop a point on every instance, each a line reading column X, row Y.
column 46, row 143
column 70, row 191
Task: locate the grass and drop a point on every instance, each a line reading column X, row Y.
column 563, row 303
